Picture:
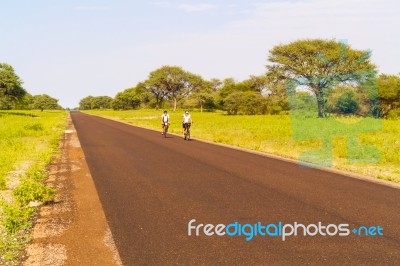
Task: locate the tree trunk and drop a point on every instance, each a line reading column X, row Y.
column 175, row 103
column 321, row 104
column 201, row 108
column 157, row 102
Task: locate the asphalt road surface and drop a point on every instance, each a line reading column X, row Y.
column 151, row 187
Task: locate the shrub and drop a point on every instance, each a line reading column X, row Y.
column 34, row 127
column 347, row 104
column 245, row 103
column 36, row 173
column 15, row 218
column 233, row 102
column 30, row 190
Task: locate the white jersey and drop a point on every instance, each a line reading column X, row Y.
column 186, row 118
column 165, row 118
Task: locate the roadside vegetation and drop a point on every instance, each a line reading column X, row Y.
column 315, row 94
column 275, row 134
column 28, row 142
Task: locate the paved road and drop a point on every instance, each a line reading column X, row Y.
column 151, row 187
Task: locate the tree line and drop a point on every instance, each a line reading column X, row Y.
column 14, row 96
column 326, row 76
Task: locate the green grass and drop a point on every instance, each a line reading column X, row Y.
column 11, row 246
column 31, row 190
column 28, row 143
column 26, row 138
column 290, row 136
column 17, row 217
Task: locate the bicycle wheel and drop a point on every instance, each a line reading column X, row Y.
column 188, row 134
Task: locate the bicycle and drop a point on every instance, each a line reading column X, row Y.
column 166, row 125
column 187, row 131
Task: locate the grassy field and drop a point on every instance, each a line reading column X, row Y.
column 28, row 142
column 292, row 137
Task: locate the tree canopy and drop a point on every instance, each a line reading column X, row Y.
column 86, row 103
column 11, row 89
column 102, row 102
column 44, row 102
column 172, row 81
column 131, row 98
column 98, row 102
column 320, row 65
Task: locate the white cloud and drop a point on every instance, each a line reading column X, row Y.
column 196, row 7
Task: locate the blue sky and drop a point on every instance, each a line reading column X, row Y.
column 71, row 49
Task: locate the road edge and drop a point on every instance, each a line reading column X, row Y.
column 72, row 230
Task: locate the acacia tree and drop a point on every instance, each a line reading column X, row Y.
column 320, row 65
column 10, row 86
column 156, row 89
column 171, row 81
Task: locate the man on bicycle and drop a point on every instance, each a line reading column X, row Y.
column 186, row 122
column 164, row 121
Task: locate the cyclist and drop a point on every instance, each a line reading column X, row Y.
column 164, row 120
column 186, row 121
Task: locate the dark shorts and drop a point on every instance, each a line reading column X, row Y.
column 186, row 124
